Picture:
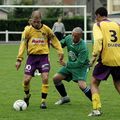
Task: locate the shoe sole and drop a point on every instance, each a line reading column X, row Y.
column 63, row 102
column 93, row 115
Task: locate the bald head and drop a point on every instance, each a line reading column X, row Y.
column 77, row 30
column 36, row 19
column 76, row 34
column 36, row 14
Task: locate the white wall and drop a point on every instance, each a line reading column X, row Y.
column 3, row 16
column 113, row 6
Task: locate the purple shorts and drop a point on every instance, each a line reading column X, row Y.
column 40, row 62
column 102, row 72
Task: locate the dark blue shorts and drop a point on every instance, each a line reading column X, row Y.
column 102, row 72
column 40, row 62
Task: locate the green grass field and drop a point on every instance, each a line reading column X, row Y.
column 78, row 109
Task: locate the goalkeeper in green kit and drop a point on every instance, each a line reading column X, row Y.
column 75, row 68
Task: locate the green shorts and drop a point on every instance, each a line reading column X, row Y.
column 74, row 74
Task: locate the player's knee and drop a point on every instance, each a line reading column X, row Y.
column 82, row 85
column 95, row 82
column 27, row 79
column 56, row 80
column 45, row 80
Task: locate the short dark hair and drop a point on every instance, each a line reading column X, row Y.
column 101, row 11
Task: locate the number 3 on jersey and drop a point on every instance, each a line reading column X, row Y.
column 113, row 36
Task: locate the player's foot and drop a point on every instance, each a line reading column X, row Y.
column 43, row 105
column 95, row 113
column 26, row 99
column 63, row 100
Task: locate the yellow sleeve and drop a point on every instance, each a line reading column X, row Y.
column 21, row 51
column 56, row 44
column 23, row 44
column 98, row 38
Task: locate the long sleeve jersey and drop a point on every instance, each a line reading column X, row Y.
column 77, row 53
column 37, row 42
column 107, row 42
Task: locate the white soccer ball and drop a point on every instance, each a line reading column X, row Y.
column 20, row 105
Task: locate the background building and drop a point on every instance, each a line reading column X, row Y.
column 91, row 4
column 3, row 14
column 113, row 6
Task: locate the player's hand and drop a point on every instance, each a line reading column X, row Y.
column 62, row 63
column 61, row 56
column 18, row 64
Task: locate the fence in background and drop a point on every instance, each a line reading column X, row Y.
column 7, row 33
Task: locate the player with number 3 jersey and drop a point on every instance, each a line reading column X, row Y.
column 106, row 49
column 107, row 42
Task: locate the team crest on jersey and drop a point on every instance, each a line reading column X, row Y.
column 38, row 41
column 72, row 55
column 44, row 34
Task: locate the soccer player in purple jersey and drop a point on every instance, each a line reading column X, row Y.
column 106, row 49
column 36, row 39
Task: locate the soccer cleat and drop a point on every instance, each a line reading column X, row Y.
column 95, row 113
column 43, row 105
column 26, row 99
column 63, row 100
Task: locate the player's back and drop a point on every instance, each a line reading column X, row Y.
column 111, row 43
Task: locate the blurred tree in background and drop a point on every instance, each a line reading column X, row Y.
column 53, row 12
column 23, row 12
column 1, row 2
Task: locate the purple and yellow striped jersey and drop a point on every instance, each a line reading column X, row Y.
column 107, row 42
column 37, row 42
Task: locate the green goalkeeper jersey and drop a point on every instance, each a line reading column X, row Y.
column 77, row 52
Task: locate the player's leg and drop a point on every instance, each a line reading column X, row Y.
column 44, row 68
column 29, row 73
column 26, row 86
column 86, row 90
column 79, row 75
column 117, row 85
column 96, row 103
column 95, row 93
column 57, row 79
column 100, row 72
column 115, row 71
column 44, row 89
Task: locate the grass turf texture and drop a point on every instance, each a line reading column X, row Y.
column 11, row 89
